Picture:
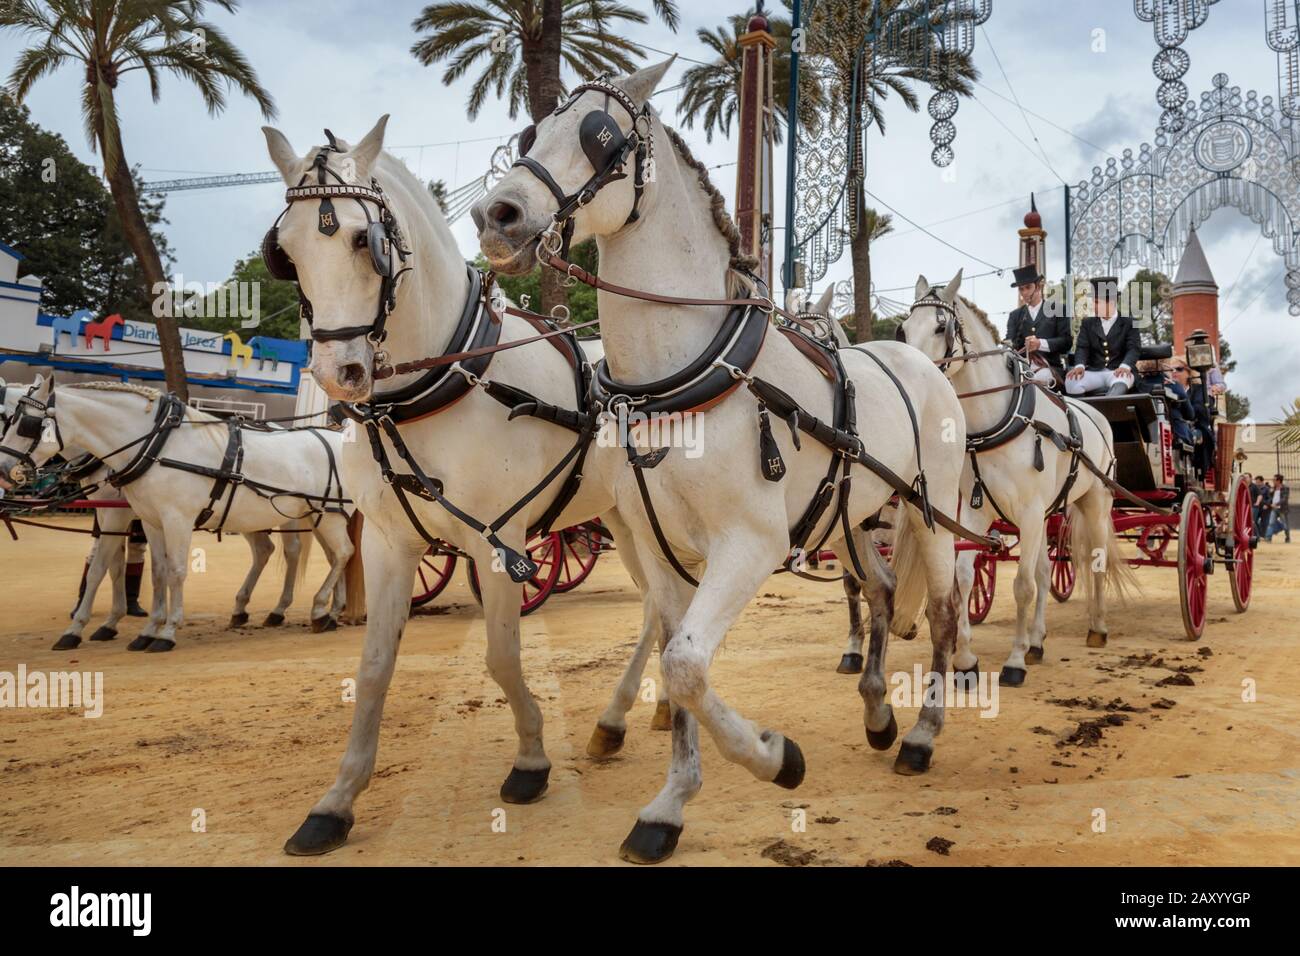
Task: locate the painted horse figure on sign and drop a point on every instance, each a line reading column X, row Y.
column 1026, row 461
column 183, row 470
column 475, row 452
column 775, row 415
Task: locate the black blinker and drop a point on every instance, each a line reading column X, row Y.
column 29, row 426
column 527, row 136
column 601, row 139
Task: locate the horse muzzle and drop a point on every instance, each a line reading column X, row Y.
column 507, row 235
column 344, row 370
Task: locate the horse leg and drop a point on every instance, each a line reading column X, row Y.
column 939, row 567
column 528, row 776
column 334, row 540
column 1095, row 551
column 389, row 571
column 1038, row 631
column 878, row 586
column 157, row 587
column 851, row 660
column 291, row 544
column 259, row 543
column 659, row 823
column 1025, row 586
column 179, row 536
column 611, row 728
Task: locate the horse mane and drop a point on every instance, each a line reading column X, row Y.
column 983, row 318
column 152, row 394
column 717, row 203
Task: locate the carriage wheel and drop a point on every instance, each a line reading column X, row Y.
column 1191, row 565
column 545, row 552
column 1058, row 552
column 1240, row 531
column 579, row 549
column 431, row 576
column 981, row 591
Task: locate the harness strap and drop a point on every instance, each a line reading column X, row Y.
column 229, row 476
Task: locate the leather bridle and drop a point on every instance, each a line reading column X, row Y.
column 32, row 426
column 383, row 238
column 607, row 148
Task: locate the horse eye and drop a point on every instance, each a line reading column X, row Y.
column 359, row 240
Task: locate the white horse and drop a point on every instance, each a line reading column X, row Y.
column 727, row 525
column 1008, row 449
column 114, row 422
column 483, row 462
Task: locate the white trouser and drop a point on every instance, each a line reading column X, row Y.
column 1044, row 375
column 1104, row 378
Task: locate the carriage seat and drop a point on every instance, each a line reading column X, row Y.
column 1154, row 353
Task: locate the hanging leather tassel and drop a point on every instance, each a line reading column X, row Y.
column 1038, row 452
column 977, row 495
column 770, row 461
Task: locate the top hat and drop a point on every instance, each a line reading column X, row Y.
column 1104, row 286
column 1026, row 275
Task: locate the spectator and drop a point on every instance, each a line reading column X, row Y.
column 1259, row 495
column 1279, row 504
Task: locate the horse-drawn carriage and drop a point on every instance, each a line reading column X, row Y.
column 1202, row 510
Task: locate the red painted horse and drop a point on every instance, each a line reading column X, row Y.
column 102, row 330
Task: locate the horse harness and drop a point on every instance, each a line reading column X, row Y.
column 445, row 383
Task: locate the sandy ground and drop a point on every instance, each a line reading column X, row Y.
column 247, row 726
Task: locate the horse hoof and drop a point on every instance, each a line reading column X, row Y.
column 1034, row 655
column 912, row 759
column 605, row 741
column 104, row 633
column 1012, row 676
column 792, row 766
column 911, row 634
column 322, row 624
column 67, row 642
column 239, row 620
column 140, row 643
column 650, row 842
column 968, row 678
column 319, row 833
column 1096, row 638
column 159, row 645
column 883, row 739
column 663, row 718
column 525, row 786
column 850, row 664
column 135, row 610
column 274, row 620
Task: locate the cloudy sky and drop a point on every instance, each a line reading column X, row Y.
column 341, row 63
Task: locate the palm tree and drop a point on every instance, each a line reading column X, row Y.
column 905, row 56
column 524, row 45
column 711, row 91
column 111, row 38
column 870, row 227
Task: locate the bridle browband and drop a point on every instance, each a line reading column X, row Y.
column 383, row 238
column 607, row 148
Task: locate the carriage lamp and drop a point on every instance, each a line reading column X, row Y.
column 1200, row 353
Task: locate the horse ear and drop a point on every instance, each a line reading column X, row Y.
column 922, row 287
column 949, row 293
column 641, row 84
column 823, row 306
column 286, row 160
column 367, row 151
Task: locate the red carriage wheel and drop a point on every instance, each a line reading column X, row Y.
column 1058, row 552
column 1191, row 565
column 579, row 549
column 1240, row 530
column 545, row 552
column 431, row 576
column 981, row 591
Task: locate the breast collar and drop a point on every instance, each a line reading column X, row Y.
column 705, row 382
column 439, row 388
column 1019, row 413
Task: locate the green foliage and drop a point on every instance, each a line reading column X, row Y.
column 582, row 298
column 277, row 304
column 58, row 214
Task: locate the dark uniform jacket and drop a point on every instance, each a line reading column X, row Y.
column 1095, row 351
column 1052, row 329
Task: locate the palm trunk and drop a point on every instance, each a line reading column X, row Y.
column 542, row 66
column 136, row 230
column 860, row 251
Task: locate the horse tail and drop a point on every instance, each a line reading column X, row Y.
column 1095, row 552
column 911, row 586
column 354, row 612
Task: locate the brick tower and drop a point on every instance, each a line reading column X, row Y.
column 1196, row 297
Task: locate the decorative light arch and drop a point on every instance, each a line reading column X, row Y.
column 1230, row 151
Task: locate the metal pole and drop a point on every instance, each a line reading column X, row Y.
column 792, row 136
column 1068, row 262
